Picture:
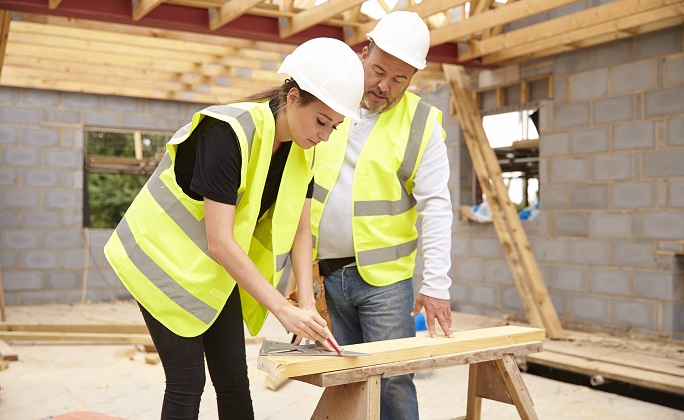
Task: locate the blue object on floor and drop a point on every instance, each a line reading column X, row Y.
column 420, row 322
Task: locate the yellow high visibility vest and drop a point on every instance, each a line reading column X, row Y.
column 159, row 249
column 383, row 207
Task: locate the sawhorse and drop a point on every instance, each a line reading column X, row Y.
column 354, row 393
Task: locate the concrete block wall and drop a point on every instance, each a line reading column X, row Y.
column 610, row 239
column 46, row 255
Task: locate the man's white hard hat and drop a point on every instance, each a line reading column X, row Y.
column 404, row 35
column 331, row 71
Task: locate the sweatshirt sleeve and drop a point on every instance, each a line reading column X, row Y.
column 433, row 204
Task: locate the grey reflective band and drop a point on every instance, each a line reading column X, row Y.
column 406, row 202
column 385, row 207
column 159, row 278
column 313, row 240
column 281, row 260
column 388, row 254
column 242, row 116
column 319, row 193
column 195, row 229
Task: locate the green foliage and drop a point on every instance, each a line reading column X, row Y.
column 109, row 196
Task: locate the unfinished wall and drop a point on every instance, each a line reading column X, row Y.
column 43, row 245
column 611, row 237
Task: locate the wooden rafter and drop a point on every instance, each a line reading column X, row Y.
column 424, row 9
column 310, row 17
column 609, row 20
column 5, row 19
column 143, row 7
column 230, row 11
column 490, row 18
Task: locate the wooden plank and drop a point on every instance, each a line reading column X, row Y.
column 492, row 18
column 612, row 30
column 142, row 7
column 359, row 400
column 536, row 284
column 554, row 27
column 400, row 368
column 76, row 328
column 5, row 20
column 311, row 17
column 465, row 110
column 400, row 350
column 424, row 9
column 7, row 352
column 80, row 337
column 230, row 11
column 516, row 387
column 585, row 366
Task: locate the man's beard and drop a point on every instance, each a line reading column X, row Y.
column 390, row 102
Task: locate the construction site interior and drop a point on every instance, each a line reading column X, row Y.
column 564, row 124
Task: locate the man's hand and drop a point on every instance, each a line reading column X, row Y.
column 434, row 308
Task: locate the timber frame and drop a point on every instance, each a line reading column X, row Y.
column 213, row 51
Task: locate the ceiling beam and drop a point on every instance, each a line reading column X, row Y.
column 491, row 18
column 143, row 7
column 310, row 17
column 5, row 19
column 425, row 9
column 555, row 27
column 230, row 11
column 618, row 28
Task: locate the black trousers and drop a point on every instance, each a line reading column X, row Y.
column 223, row 345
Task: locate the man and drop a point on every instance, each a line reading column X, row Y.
column 372, row 180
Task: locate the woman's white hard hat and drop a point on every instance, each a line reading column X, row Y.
column 404, row 35
column 331, row 71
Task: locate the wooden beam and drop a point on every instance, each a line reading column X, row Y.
column 142, row 7
column 310, row 17
column 5, row 20
column 424, row 9
column 481, row 6
column 623, row 27
column 53, row 4
column 492, row 18
column 400, row 350
column 230, row 11
column 558, row 26
column 340, row 377
column 77, row 328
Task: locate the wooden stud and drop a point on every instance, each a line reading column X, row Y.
column 310, row 17
column 230, row 11
column 53, row 4
column 359, row 400
column 556, row 27
column 142, row 7
column 491, row 18
column 5, row 20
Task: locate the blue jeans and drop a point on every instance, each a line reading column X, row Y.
column 363, row 313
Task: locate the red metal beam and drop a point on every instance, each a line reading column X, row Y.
column 195, row 19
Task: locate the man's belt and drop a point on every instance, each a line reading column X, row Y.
column 333, row 264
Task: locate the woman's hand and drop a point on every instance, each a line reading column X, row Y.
column 307, row 324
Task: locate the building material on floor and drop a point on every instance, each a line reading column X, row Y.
column 7, row 352
column 528, row 280
column 353, row 384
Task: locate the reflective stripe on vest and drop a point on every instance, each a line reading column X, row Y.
column 202, row 290
column 397, row 214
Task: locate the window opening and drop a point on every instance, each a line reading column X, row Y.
column 117, row 165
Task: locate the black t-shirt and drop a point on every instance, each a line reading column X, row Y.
column 208, row 165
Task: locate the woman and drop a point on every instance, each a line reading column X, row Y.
column 204, row 243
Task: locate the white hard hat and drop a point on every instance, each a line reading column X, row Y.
column 404, row 35
column 331, row 71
